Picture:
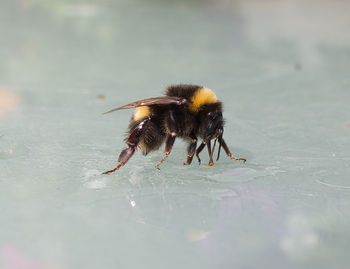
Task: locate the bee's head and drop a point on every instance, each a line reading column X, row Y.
column 211, row 122
column 211, row 125
column 214, row 126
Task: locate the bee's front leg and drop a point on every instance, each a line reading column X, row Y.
column 191, row 150
column 211, row 162
column 229, row 153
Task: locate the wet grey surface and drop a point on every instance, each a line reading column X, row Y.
column 282, row 70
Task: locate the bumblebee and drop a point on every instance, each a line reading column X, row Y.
column 186, row 111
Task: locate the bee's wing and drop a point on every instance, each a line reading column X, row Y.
column 161, row 100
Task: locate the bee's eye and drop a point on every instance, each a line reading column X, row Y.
column 212, row 115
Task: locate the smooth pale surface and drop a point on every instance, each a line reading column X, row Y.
column 282, row 70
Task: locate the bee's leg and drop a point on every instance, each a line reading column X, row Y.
column 124, row 156
column 169, row 142
column 229, row 153
column 191, row 150
column 211, row 162
column 132, row 142
column 200, row 148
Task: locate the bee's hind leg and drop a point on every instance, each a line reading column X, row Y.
column 132, row 142
column 124, row 156
column 211, row 162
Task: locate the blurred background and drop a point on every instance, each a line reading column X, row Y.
column 280, row 67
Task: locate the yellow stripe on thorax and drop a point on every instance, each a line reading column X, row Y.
column 201, row 97
column 141, row 112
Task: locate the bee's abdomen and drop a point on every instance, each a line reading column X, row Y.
column 152, row 139
column 141, row 112
column 152, row 136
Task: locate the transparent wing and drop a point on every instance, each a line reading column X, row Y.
column 161, row 100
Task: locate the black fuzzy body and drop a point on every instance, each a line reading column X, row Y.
column 186, row 111
column 175, row 120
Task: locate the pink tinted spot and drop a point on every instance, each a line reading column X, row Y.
column 13, row 258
